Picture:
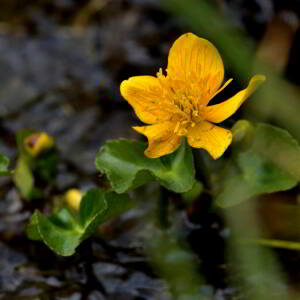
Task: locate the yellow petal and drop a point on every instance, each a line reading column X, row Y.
column 197, row 61
column 210, row 137
column 143, row 93
column 220, row 112
column 161, row 138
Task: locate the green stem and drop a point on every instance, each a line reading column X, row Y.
column 274, row 243
column 162, row 209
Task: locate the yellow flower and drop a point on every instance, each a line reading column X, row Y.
column 176, row 105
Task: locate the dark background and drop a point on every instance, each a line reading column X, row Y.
column 61, row 65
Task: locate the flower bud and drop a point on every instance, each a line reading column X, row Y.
column 73, row 198
column 38, row 142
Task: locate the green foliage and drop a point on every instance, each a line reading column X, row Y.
column 177, row 265
column 20, row 137
column 27, row 167
column 126, row 166
column 46, row 165
column 23, row 178
column 4, row 163
column 62, row 232
column 270, row 164
column 193, row 193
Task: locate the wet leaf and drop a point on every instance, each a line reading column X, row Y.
column 126, row 166
column 62, row 232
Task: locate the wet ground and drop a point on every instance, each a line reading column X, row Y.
column 61, row 64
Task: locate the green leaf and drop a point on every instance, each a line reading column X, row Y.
column 179, row 172
column 60, row 240
column 23, row 178
column 32, row 228
column 92, row 207
column 4, row 163
column 270, row 164
column 116, row 205
column 62, row 232
column 126, row 166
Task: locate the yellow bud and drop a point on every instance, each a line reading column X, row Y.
column 73, row 198
column 37, row 143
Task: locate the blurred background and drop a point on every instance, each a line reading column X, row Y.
column 61, row 65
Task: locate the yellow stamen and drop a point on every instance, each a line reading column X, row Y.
column 177, row 127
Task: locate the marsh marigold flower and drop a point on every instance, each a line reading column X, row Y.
column 176, row 105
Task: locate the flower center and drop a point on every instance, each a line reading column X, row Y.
column 186, row 110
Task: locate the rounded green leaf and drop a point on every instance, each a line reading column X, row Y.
column 270, row 164
column 62, row 232
column 59, row 239
column 126, row 166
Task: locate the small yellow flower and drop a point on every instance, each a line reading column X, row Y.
column 176, row 105
column 38, row 142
